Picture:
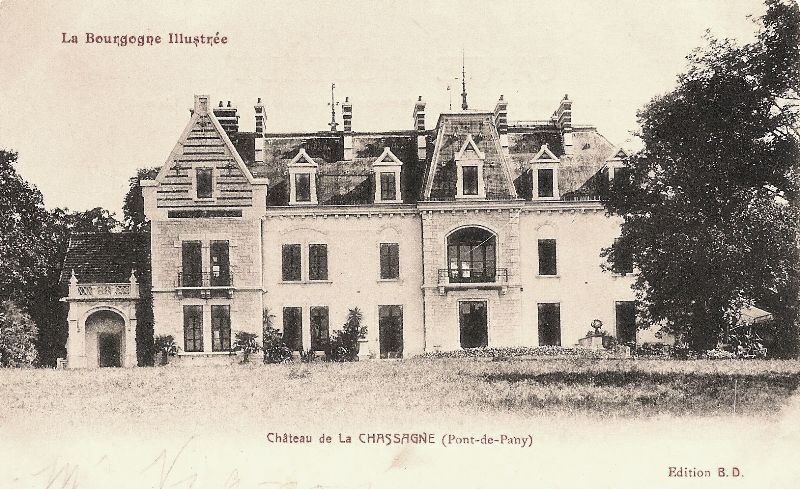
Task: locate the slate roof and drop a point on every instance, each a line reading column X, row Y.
column 107, row 257
column 342, row 182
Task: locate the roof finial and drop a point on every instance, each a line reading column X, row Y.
column 464, row 105
column 333, row 105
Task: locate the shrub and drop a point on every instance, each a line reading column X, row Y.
column 246, row 343
column 166, row 346
column 18, row 333
column 343, row 345
column 275, row 350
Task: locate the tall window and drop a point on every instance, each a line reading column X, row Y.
column 318, row 262
column 547, row 257
column 220, row 328
column 204, row 183
column 193, row 328
column 626, row 321
column 624, row 262
column 388, row 186
column 471, row 255
column 220, row 264
column 545, row 178
column 470, row 180
column 292, row 270
column 192, row 264
column 390, row 261
column 390, row 331
column 549, row 324
column 302, row 185
column 293, row 328
column 319, row 328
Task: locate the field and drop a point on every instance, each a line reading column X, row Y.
column 402, row 390
column 211, row 426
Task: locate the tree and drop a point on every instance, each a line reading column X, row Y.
column 17, row 336
column 710, row 202
column 133, row 206
column 344, row 343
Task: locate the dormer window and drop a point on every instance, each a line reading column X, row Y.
column 617, row 165
column 387, row 178
column 469, row 166
column 302, row 179
column 302, row 187
column 544, row 167
column 203, row 183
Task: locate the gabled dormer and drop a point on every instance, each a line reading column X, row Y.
column 469, row 171
column 544, row 172
column 387, row 178
column 617, row 163
column 302, row 179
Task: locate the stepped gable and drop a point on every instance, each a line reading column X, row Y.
column 340, row 182
column 452, row 131
column 107, row 257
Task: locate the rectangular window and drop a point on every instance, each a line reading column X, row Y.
column 293, row 328
column 291, row 263
column 545, row 177
column 390, row 261
column 302, row 187
column 469, row 175
column 205, row 183
column 220, row 328
column 192, row 264
column 624, row 262
column 549, row 324
column 390, row 331
column 193, row 328
column 626, row 321
column 388, row 186
column 318, row 262
column 547, row 257
column 319, row 328
column 220, row 264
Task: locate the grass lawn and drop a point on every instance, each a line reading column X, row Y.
column 402, row 391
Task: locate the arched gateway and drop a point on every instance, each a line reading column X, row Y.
column 102, row 324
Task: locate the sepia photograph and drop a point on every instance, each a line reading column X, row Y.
column 355, row 245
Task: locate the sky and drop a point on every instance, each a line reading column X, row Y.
column 83, row 117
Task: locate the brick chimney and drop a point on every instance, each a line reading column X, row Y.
column 261, row 118
column 563, row 120
column 419, row 114
column 347, row 135
column 200, row 105
column 347, row 115
column 501, row 122
column 227, row 118
column 419, row 126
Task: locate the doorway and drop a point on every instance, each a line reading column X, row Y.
column 390, row 331
column 473, row 324
column 108, row 350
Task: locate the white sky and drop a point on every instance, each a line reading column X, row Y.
column 84, row 117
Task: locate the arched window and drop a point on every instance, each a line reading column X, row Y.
column 471, row 255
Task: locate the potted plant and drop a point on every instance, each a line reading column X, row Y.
column 246, row 343
column 165, row 345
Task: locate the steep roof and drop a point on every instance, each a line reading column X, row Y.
column 107, row 257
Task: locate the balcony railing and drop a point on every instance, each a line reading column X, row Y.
column 204, row 280
column 473, row 278
column 123, row 290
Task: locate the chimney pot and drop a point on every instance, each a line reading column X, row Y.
column 419, row 114
column 220, row 103
column 259, row 100
column 229, row 103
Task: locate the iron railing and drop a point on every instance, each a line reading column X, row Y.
column 485, row 275
column 204, row 280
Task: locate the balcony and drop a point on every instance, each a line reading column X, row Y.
column 204, row 285
column 473, row 278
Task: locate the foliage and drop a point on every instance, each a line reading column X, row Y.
column 165, row 343
column 343, row 345
column 710, row 203
column 275, row 350
column 246, row 343
column 133, row 205
column 522, row 352
column 17, row 336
